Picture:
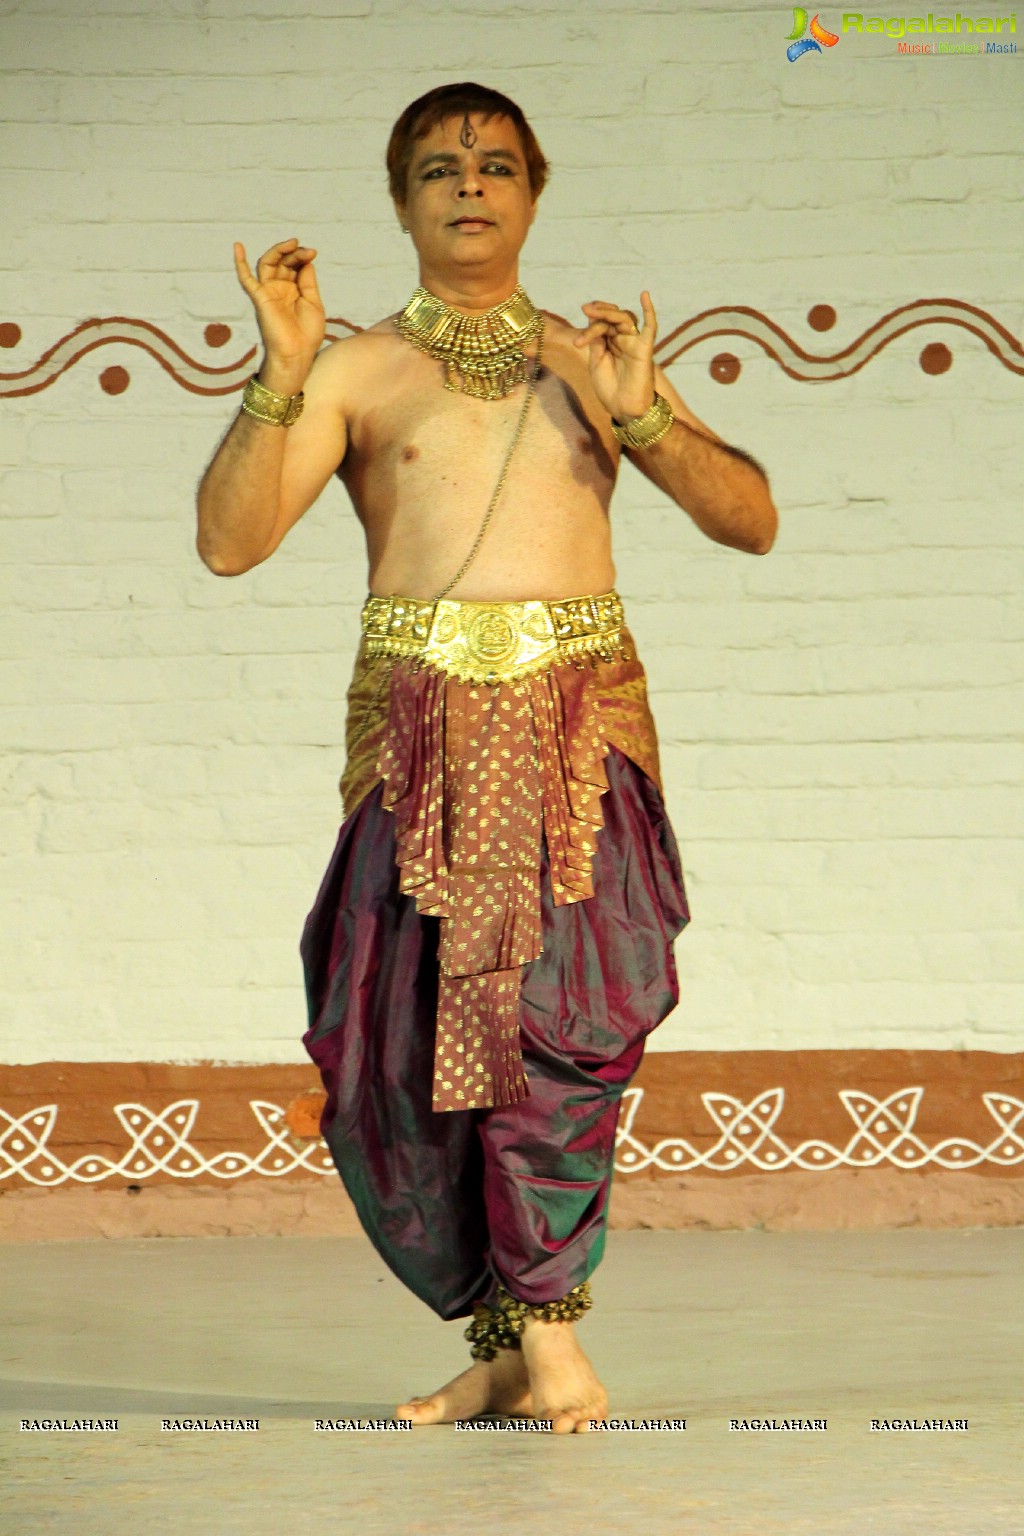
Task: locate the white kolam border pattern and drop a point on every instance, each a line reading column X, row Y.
column 883, row 1134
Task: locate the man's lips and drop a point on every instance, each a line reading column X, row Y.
column 468, row 218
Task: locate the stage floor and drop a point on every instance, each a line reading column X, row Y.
column 710, row 1327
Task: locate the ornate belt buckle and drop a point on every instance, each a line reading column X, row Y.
column 491, row 642
column 492, row 637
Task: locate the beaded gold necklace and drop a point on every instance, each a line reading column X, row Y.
column 482, row 354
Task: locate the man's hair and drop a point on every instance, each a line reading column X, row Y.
column 446, row 101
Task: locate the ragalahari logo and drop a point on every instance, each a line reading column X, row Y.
column 818, row 39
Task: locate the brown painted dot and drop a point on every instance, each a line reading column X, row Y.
column 114, row 381
column 10, row 334
column 725, row 368
column 217, row 334
column 936, row 357
column 821, row 317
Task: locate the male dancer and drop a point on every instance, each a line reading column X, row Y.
column 491, row 942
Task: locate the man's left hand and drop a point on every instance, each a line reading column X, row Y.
column 621, row 356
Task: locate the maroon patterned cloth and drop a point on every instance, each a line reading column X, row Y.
column 515, row 1192
column 474, row 774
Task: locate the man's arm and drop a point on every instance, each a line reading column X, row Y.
column 722, row 488
column 262, row 477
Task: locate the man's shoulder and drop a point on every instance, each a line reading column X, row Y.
column 557, row 324
column 350, row 362
column 362, row 346
column 559, row 335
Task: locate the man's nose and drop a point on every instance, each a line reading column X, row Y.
column 471, row 185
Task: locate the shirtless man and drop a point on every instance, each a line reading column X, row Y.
column 420, row 461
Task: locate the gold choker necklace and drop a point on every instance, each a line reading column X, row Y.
column 482, row 354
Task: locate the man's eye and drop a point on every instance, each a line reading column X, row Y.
column 437, row 171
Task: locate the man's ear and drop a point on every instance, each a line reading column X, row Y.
column 400, row 215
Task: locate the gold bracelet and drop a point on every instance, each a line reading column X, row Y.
column 643, row 431
column 266, row 405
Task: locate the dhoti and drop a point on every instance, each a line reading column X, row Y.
column 491, row 943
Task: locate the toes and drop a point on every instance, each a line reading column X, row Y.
column 421, row 1410
column 573, row 1421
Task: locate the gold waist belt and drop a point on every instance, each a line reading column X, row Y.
column 494, row 642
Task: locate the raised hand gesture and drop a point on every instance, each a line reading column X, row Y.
column 621, row 356
column 289, row 309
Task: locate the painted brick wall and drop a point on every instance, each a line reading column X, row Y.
column 840, row 720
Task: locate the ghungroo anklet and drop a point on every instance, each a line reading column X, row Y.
column 488, row 1332
column 501, row 1327
column 567, row 1309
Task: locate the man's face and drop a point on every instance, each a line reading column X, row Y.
column 468, row 200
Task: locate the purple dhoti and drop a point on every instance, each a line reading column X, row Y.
column 512, row 1190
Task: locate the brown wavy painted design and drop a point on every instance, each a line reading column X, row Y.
column 825, row 368
column 197, row 377
column 739, row 322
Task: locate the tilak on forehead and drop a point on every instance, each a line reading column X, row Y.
column 467, row 133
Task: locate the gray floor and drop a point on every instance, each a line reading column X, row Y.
column 708, row 1326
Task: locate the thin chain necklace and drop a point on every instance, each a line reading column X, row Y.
column 482, row 354
column 464, row 567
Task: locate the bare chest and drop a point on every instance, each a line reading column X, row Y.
column 415, row 440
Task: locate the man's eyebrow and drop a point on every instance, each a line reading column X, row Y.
column 444, row 157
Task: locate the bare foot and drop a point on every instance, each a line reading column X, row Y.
column 563, row 1383
column 500, row 1385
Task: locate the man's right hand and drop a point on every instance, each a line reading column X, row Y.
column 289, row 311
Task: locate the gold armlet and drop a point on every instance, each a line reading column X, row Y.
column 266, row 405
column 643, row 431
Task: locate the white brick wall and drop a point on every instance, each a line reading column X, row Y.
column 840, row 720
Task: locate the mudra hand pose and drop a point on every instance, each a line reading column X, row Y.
column 491, row 943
